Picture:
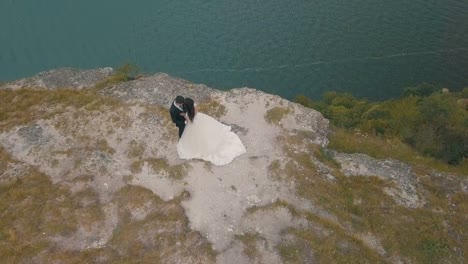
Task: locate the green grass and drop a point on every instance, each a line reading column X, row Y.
column 430, row 122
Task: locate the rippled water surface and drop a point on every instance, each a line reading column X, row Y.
column 370, row 48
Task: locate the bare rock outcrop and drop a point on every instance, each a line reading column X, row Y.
column 132, row 193
column 399, row 173
column 63, row 78
column 114, row 146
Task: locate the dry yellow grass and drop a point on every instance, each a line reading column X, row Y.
column 212, row 108
column 25, row 105
column 424, row 235
column 274, row 115
column 329, row 243
column 250, row 244
column 103, row 145
column 5, row 159
column 34, row 210
column 160, row 165
column 162, row 233
column 136, row 149
column 344, row 141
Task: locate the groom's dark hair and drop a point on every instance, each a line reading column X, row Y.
column 179, row 99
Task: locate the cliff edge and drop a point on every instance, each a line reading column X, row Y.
column 96, row 172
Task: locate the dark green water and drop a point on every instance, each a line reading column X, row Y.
column 371, row 48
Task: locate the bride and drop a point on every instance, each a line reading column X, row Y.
column 207, row 139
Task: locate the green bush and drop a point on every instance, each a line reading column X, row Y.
column 342, row 110
column 421, row 90
column 440, row 131
column 434, row 124
column 303, row 100
column 464, row 93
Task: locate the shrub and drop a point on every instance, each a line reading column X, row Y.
column 303, row 100
column 434, row 124
column 343, row 110
column 124, row 73
column 464, row 93
column 421, row 90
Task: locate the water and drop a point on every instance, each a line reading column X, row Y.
column 371, row 48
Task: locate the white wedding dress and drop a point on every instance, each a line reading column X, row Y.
column 207, row 139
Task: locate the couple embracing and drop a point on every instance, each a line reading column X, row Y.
column 203, row 137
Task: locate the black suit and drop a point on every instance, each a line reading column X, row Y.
column 177, row 118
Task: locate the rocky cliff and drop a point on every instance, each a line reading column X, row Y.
column 93, row 175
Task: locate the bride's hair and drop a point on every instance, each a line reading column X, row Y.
column 190, row 108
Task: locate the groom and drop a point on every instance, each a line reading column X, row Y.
column 177, row 111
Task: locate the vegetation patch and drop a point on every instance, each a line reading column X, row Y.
column 103, row 146
column 274, row 115
column 119, row 119
column 160, row 165
column 329, row 245
column 276, row 204
column 381, row 148
column 168, row 128
column 422, row 235
column 34, row 210
column 126, row 72
column 5, row 160
column 163, row 233
column 22, row 203
column 88, row 208
column 132, row 197
column 431, row 122
column 159, row 111
column 274, row 169
column 325, row 156
column 290, row 253
column 19, row 107
column 213, row 108
column 35, row 213
column 249, row 240
column 136, row 150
